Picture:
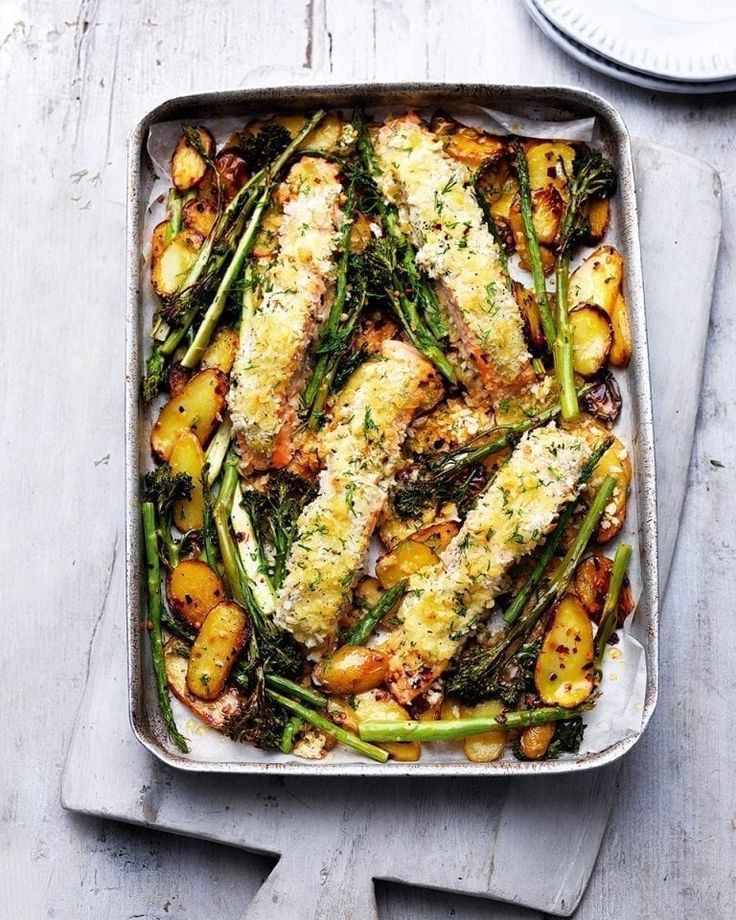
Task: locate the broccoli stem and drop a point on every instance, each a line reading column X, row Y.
column 553, row 542
column 150, row 535
column 340, row 734
column 532, row 244
column 456, row 729
column 214, row 311
column 609, row 617
column 373, row 616
column 562, row 347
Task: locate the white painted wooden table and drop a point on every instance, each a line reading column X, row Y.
column 75, row 76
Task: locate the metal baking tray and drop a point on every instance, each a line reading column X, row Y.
column 550, row 103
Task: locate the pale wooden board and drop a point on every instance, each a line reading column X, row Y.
column 76, row 74
column 337, row 830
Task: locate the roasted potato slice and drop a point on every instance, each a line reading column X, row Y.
column 590, row 586
column 598, row 213
column 379, row 705
column 159, row 239
column 409, row 557
column 192, row 590
column 489, row 746
column 547, row 209
column 550, row 163
column 170, row 269
column 617, row 463
column 437, row 536
column 351, row 669
column 216, row 648
column 530, row 311
column 535, row 740
column 368, row 591
column 187, row 456
column 592, row 338
column 177, row 379
column 598, row 279
column 622, row 344
column 188, row 166
column 564, row 671
column 516, row 226
column 221, row 351
column 333, row 135
column 468, row 145
column 215, row 713
column 198, row 407
column 200, row 215
column 232, row 170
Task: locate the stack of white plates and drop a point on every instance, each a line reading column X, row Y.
column 675, row 46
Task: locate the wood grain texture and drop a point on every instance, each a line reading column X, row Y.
column 75, row 76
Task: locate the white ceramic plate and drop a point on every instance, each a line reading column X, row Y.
column 682, row 40
column 612, row 69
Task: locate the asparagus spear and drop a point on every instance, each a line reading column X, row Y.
column 609, row 617
column 154, row 615
column 454, row 729
column 373, row 616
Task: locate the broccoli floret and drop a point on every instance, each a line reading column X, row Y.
column 262, row 148
column 260, row 721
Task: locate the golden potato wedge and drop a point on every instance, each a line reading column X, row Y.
column 187, row 456
column 530, row 311
column 617, row 463
column 170, row 269
column 598, row 213
column 592, row 338
column 590, row 586
column 598, row 279
column 379, row 705
column 333, row 135
column 188, row 167
column 215, row 713
column 159, row 239
column 489, row 746
column 547, row 209
column 177, row 379
column 409, row 557
column 437, row 536
column 216, row 648
column 360, row 233
column 535, row 740
column 550, row 163
column 466, row 144
column 232, row 170
column 221, row 351
column 199, row 215
column 192, row 590
column 351, row 669
column 368, row 591
column 563, row 674
column 622, row 344
column 198, row 407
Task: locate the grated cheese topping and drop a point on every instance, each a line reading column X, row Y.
column 439, row 210
column 294, row 297
column 361, row 450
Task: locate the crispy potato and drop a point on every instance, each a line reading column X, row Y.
column 188, row 167
column 590, row 586
column 215, row 713
column 535, row 740
column 530, row 311
column 437, row 536
column 592, row 337
column 216, row 648
column 187, row 456
column 622, row 344
column 598, row 279
column 375, row 705
column 563, row 674
column 198, row 407
column 409, row 557
column 617, row 463
column 368, row 591
column 221, row 351
column 192, row 590
column 170, row 269
column 158, row 239
column 360, row 233
column 499, row 186
column 469, row 146
column 232, row 170
column 489, row 746
column 516, row 226
column 598, row 213
column 547, row 210
column 177, row 378
column 199, row 215
column 332, row 135
column 351, row 669
column 550, row 163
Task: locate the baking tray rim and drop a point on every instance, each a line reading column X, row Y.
column 407, row 94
